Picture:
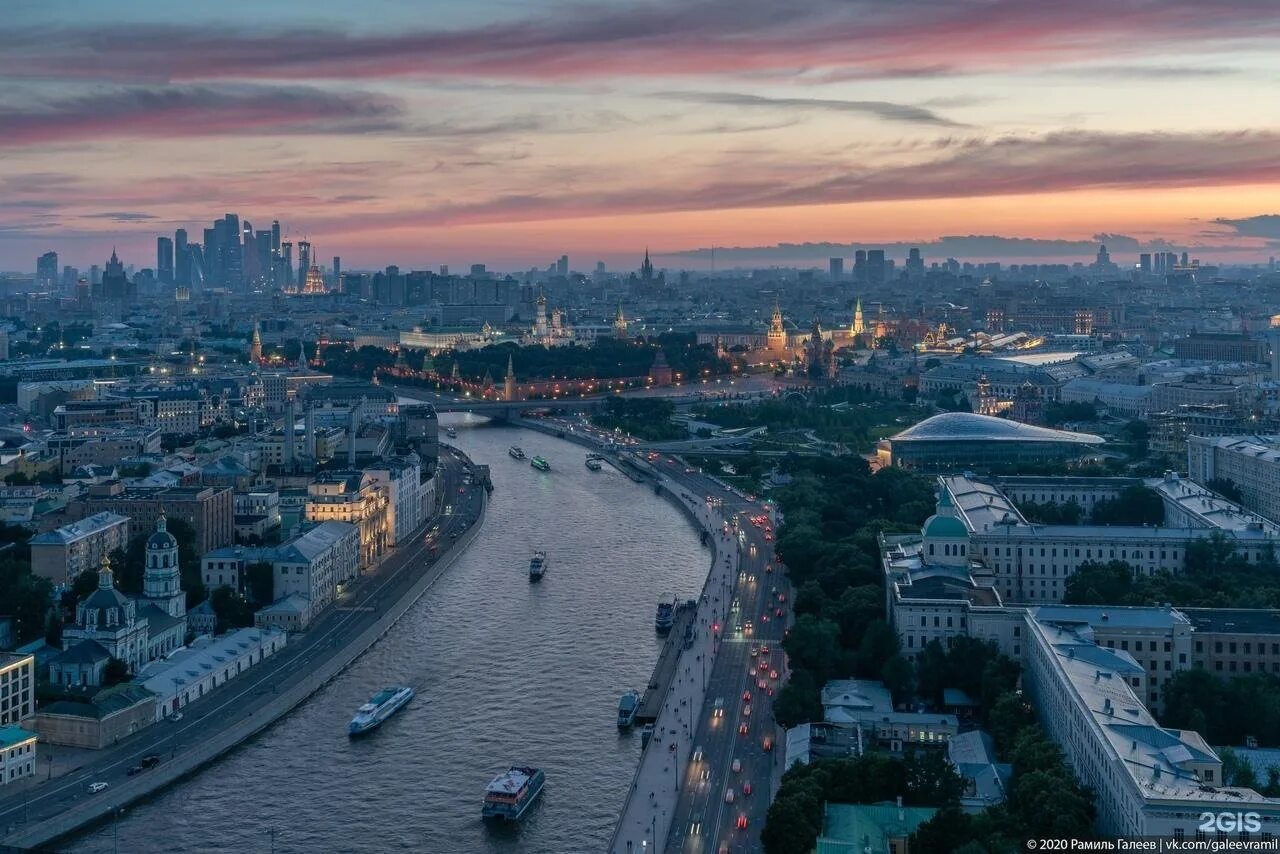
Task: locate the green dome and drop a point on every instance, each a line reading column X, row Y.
column 945, row 526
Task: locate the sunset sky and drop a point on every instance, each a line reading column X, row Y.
column 512, row 132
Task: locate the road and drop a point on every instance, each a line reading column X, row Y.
column 359, row 607
column 703, row 820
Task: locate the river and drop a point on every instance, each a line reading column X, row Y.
column 507, row 672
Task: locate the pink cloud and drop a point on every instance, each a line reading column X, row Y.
column 651, row 40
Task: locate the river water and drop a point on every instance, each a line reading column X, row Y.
column 507, row 672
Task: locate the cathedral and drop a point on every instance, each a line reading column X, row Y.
column 110, row 624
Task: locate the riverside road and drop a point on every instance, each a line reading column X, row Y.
column 361, row 605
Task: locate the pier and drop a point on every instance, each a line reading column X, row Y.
column 664, row 672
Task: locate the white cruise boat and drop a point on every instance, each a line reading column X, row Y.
column 381, row 706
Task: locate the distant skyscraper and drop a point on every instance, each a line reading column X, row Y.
column 1104, row 257
column 275, row 236
column 164, row 260
column 95, row 274
column 1184, row 259
column 876, row 270
column 860, row 265
column 835, row 268
column 304, row 260
column 181, row 258
column 115, row 285
column 232, row 257
column 915, row 265
column 1144, row 262
column 47, row 271
column 286, row 266
column 266, row 256
column 562, row 266
column 337, row 269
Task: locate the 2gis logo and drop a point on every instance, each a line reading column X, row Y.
column 1230, row 822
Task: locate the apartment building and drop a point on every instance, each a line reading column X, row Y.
column 1252, row 463
column 17, row 687
column 62, row 554
column 209, row 510
column 357, row 498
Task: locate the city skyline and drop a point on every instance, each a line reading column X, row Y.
column 512, row 134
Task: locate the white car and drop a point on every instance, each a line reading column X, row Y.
column 737, row 766
column 728, row 796
column 94, row 788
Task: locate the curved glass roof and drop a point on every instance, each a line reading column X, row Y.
column 952, row 426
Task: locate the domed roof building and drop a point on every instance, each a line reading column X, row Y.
column 110, row 618
column 134, row 631
column 959, row 440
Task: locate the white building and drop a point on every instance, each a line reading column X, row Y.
column 17, row 754
column 1252, row 463
column 401, row 478
column 208, row 663
column 1148, row 780
column 307, row 569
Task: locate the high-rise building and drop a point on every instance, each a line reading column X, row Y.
column 47, row 271
column 1104, row 257
column 266, row 256
column 115, row 285
column 835, row 268
column 860, row 265
column 304, row 260
column 232, row 254
column 164, row 260
column 337, row 270
column 876, row 270
column 1144, row 262
column 285, row 275
column 562, row 266
column 915, row 265
column 181, row 258
column 1184, row 259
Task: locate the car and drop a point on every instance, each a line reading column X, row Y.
column 742, row 821
column 717, row 709
column 768, row 537
column 136, row 769
column 697, row 754
column 746, row 788
column 672, row 747
column 746, row 711
column 773, row 674
column 778, row 612
column 746, row 696
column 743, row 728
column 762, row 685
column 764, row 650
column 94, row 788
column 728, row 796
column 150, row 761
column 755, row 650
column 737, row 766
column 767, row 744
column 764, row 618
column 176, row 716
column 782, row 597
column 747, row 627
column 752, row 672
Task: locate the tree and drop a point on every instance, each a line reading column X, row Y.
column 262, row 579
column 1093, row 583
column 799, row 701
column 115, row 672
column 813, row 646
column 1135, row 505
column 232, row 610
column 1226, row 488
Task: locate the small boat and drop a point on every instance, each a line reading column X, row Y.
column 381, row 706
column 665, row 617
column 516, row 452
column 512, row 792
column 451, row 432
column 594, row 463
column 627, row 708
column 537, row 566
column 540, row 464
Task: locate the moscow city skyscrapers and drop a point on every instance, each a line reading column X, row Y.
column 164, row 260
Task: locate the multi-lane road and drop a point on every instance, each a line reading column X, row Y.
column 361, row 605
column 728, row 780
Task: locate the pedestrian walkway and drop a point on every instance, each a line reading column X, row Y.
column 655, row 790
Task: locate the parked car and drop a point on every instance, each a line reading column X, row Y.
column 94, row 788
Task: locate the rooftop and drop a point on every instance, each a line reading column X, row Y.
column 12, row 736
column 87, row 526
column 960, row 426
column 1234, row 620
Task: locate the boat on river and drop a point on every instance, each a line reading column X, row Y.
column 510, row 795
column 537, row 566
column 628, row 705
column 381, row 706
column 516, row 452
column 540, row 464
